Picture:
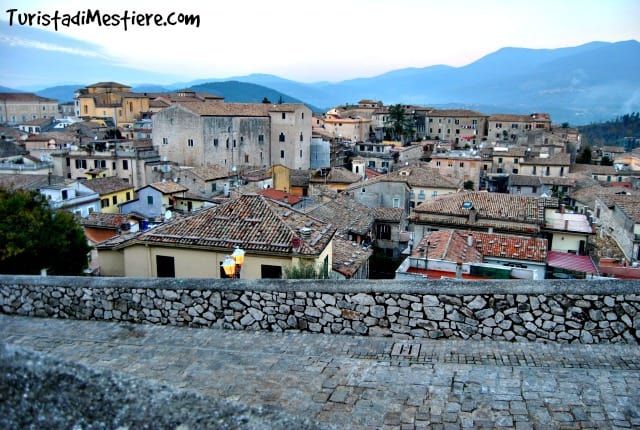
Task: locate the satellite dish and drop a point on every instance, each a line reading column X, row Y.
column 167, row 215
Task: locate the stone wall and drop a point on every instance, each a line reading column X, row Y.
column 556, row 311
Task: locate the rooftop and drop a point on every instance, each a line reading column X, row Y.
column 349, row 257
column 253, row 222
column 108, row 185
column 346, row 214
column 629, row 204
column 168, row 187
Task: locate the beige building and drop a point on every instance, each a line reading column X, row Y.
column 459, row 165
column 509, row 127
column 234, row 134
column 274, row 236
column 354, row 129
column 18, row 108
column 112, row 102
column 459, row 126
column 556, row 165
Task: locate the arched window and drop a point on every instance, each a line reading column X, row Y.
column 281, row 137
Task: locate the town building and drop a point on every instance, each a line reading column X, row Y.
column 619, row 217
column 155, row 200
column 510, row 127
column 274, row 237
column 462, row 127
column 111, row 102
column 18, row 108
column 234, row 134
column 112, row 190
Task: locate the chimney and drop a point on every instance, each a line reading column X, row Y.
column 473, row 216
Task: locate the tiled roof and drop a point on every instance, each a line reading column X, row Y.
column 104, row 220
column 348, row 257
column 28, row 182
column 511, row 151
column 569, row 222
column 252, row 222
column 495, row 206
column 509, row 117
column 448, row 245
column 346, row 214
column 10, row 149
column 510, row 246
column 591, row 169
column 388, row 214
column 423, row 177
column 168, row 187
column 107, row 84
column 453, row 245
column 299, row 178
column 280, row 196
column 524, row 181
column 24, row 97
column 459, row 222
column 587, row 196
column 111, row 184
column 554, row 180
column 209, row 173
column 338, row 175
column 561, row 159
column 630, row 205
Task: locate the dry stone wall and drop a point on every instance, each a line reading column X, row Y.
column 540, row 311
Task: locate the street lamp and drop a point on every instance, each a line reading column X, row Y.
column 232, row 264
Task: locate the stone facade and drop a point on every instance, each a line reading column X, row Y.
column 549, row 311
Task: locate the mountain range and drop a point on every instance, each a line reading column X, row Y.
column 588, row 83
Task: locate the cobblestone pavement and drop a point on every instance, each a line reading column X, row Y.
column 363, row 382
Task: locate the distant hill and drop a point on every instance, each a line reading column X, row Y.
column 242, row 92
column 613, row 132
column 8, row 90
column 62, row 93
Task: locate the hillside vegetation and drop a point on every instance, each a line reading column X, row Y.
column 613, row 132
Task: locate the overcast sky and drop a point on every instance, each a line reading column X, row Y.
column 334, row 40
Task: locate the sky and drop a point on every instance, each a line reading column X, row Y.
column 332, row 40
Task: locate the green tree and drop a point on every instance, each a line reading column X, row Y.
column 584, row 157
column 606, row 161
column 303, row 271
column 266, row 101
column 564, row 125
column 468, row 185
column 398, row 125
column 33, row 236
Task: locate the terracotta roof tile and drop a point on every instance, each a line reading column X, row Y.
column 252, row 222
column 280, row 196
column 338, row 175
column 104, row 220
column 561, row 159
column 111, row 184
column 24, row 97
column 629, row 204
column 348, row 257
column 388, row 214
column 346, row 214
column 168, row 187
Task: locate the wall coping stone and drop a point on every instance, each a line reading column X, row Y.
column 433, row 287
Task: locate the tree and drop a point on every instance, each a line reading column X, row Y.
column 398, row 125
column 564, row 125
column 469, row 185
column 584, row 157
column 303, row 271
column 266, row 101
column 606, row 161
column 34, row 237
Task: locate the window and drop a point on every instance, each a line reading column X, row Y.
column 302, row 116
column 284, row 115
column 462, row 164
column 301, row 138
column 608, row 178
column 165, row 267
column 281, row 138
column 190, row 142
column 548, row 171
column 241, row 139
column 514, row 126
column 533, row 170
column 437, row 164
column 125, row 164
column 130, row 106
column 99, row 164
column 434, row 194
column 261, row 138
column 246, row 158
column 383, row 231
column 234, row 143
column 498, row 125
column 119, row 112
column 65, row 194
column 421, row 195
column 500, row 160
column 227, row 143
column 215, row 142
column 270, row 272
column 165, row 140
column 104, row 203
column 534, row 189
column 128, row 196
column 149, row 200
column 515, row 171
column 396, row 203
column 282, row 153
column 81, row 164
column 515, row 161
column 213, row 187
column 457, row 121
column 113, row 165
column 301, row 153
column 86, row 109
column 371, row 164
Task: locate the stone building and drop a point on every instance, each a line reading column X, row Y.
column 21, row 107
column 112, row 102
column 234, row 134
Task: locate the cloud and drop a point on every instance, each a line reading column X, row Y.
column 14, row 41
